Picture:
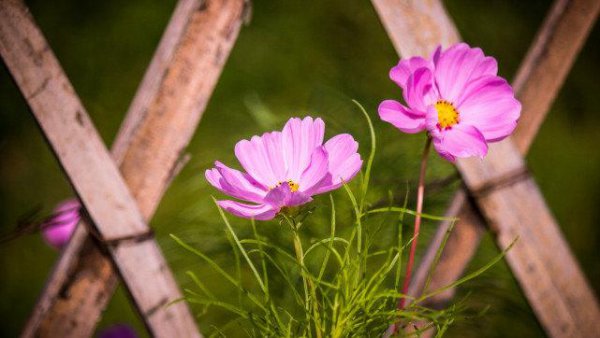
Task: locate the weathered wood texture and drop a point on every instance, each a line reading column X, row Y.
column 175, row 90
column 73, row 299
column 460, row 248
column 537, row 83
column 91, row 171
column 82, row 281
column 416, row 27
column 185, row 86
column 547, row 65
column 541, row 260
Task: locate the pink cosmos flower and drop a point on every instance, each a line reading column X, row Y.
column 118, row 331
column 57, row 230
column 284, row 169
column 457, row 97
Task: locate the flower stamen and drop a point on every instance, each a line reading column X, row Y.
column 293, row 185
column 448, row 116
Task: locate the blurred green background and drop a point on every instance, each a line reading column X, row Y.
column 294, row 58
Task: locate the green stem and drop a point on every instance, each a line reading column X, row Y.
column 262, row 261
column 300, row 258
column 309, row 287
column 413, row 247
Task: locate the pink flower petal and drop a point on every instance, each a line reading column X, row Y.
column 235, row 183
column 435, row 56
column 274, row 153
column 118, row 331
column 490, row 105
column 344, row 162
column 344, row 174
column 277, row 161
column 339, row 148
column 460, row 141
column 316, row 171
column 57, row 230
column 401, row 72
column 256, row 158
column 431, row 121
column 261, row 212
column 420, row 91
column 299, row 140
column 298, row 198
column 458, row 65
column 282, row 196
column 401, row 117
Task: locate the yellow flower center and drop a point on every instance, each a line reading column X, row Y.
column 293, row 185
column 447, row 115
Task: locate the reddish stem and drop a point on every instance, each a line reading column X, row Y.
column 413, row 246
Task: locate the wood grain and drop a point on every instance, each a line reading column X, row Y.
column 541, row 260
column 537, row 83
column 197, row 43
column 109, row 206
column 76, row 293
column 416, row 27
column 64, row 307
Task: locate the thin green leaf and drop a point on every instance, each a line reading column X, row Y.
column 241, row 247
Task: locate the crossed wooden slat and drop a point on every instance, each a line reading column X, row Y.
column 500, row 187
column 163, row 116
column 159, row 124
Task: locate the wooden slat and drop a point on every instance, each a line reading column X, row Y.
column 82, row 281
column 416, row 27
column 460, row 248
column 152, row 83
column 548, row 62
column 544, row 69
column 537, row 83
column 91, row 171
column 542, row 262
column 73, row 291
column 177, row 86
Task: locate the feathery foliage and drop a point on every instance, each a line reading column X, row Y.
column 342, row 285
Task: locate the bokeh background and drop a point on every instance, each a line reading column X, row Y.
column 294, row 58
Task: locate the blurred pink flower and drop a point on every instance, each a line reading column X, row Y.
column 57, row 229
column 457, row 97
column 118, row 331
column 284, row 169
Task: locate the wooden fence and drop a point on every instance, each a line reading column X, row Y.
column 119, row 198
column 500, row 188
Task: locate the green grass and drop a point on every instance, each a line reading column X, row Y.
column 339, row 286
